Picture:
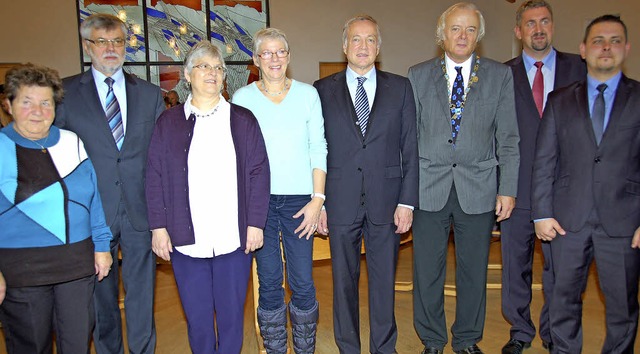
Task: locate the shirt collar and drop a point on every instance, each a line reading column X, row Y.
column 118, row 76
column 612, row 83
column 549, row 60
column 353, row 76
column 466, row 65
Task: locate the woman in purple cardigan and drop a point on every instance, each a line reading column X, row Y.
column 207, row 169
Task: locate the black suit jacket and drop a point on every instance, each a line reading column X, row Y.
column 569, row 69
column 572, row 174
column 120, row 173
column 380, row 168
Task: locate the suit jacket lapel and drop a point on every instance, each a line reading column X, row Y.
column 583, row 111
column 382, row 85
column 343, row 102
column 132, row 109
column 523, row 87
column 442, row 89
column 619, row 106
column 94, row 110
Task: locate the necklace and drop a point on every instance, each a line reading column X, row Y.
column 455, row 111
column 206, row 115
column 286, row 87
column 41, row 146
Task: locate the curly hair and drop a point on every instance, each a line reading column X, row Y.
column 32, row 75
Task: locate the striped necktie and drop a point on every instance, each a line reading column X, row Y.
column 114, row 116
column 362, row 106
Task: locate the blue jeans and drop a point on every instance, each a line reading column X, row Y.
column 298, row 254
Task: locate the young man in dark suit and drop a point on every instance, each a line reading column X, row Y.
column 372, row 183
column 114, row 114
column 586, row 191
column 537, row 71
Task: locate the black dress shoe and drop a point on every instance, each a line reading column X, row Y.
column 431, row 350
column 547, row 345
column 470, row 350
column 515, row 346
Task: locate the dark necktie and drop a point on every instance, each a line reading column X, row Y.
column 538, row 87
column 362, row 106
column 597, row 116
column 114, row 116
column 457, row 98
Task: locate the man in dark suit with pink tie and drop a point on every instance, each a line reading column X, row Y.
column 539, row 70
column 586, row 191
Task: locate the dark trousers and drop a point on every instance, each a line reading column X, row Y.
column 138, row 277
column 518, row 242
column 213, row 292
column 618, row 269
column 472, row 235
column 381, row 244
column 30, row 315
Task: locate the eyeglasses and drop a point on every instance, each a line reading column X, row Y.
column 101, row 42
column 219, row 69
column 280, row 53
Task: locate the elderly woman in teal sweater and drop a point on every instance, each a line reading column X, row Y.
column 290, row 117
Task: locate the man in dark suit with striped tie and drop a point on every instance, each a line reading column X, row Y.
column 114, row 114
column 372, row 183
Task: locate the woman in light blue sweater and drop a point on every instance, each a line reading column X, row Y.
column 290, row 117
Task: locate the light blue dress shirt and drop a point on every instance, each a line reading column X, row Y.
column 119, row 89
column 548, row 72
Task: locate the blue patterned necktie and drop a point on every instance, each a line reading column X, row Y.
column 457, row 97
column 597, row 116
column 114, row 116
column 362, row 106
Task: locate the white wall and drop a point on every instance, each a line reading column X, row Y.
column 45, row 32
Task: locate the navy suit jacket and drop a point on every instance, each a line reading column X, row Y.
column 380, row 168
column 120, row 172
column 573, row 175
column 569, row 69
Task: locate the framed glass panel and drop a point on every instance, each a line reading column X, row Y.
column 233, row 24
column 174, row 27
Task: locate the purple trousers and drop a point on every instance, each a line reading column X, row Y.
column 213, row 292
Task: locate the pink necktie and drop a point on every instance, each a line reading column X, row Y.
column 538, row 87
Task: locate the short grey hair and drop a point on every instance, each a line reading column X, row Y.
column 531, row 4
column 345, row 28
column 202, row 49
column 442, row 21
column 269, row 33
column 101, row 21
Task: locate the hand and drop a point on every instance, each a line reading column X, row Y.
column 3, row 288
column 504, row 207
column 323, row 226
column 548, row 229
column 311, row 213
column 403, row 217
column 255, row 239
column 161, row 243
column 103, row 262
column 635, row 243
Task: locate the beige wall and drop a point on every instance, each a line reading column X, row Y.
column 45, row 31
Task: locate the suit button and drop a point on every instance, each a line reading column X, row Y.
column 450, row 141
column 364, row 146
column 362, row 203
column 118, row 160
column 362, row 195
column 455, row 164
column 596, row 160
column 359, row 169
column 117, row 183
